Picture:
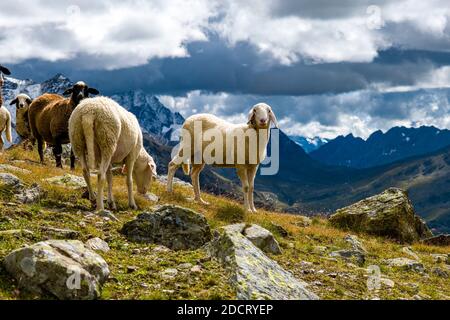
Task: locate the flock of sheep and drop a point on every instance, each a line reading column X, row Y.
column 103, row 133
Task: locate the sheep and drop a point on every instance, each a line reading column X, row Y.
column 49, row 117
column 245, row 159
column 22, row 102
column 5, row 116
column 102, row 133
column 5, row 125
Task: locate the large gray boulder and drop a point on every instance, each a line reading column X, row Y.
column 174, row 227
column 17, row 189
column 252, row 273
column 389, row 214
column 260, row 237
column 64, row 268
column 67, row 180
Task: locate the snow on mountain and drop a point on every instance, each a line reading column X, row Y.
column 309, row 144
column 153, row 116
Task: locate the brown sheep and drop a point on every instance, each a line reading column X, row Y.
column 49, row 119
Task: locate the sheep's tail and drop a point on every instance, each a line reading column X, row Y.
column 88, row 130
column 8, row 129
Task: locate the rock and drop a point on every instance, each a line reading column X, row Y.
column 439, row 272
column 262, row 238
column 176, row 181
column 389, row 214
column 107, row 214
column 10, row 168
column 11, row 181
column 68, row 180
column 186, row 265
column 60, row 233
column 320, row 249
column 355, row 243
column 303, row 221
column 350, row 255
column 440, row 240
column 387, row 282
column 280, row 230
column 410, row 252
column 196, row 269
column 17, row 233
column 252, row 273
column 64, row 268
column 151, row 197
column 169, row 273
column 172, row 226
column 405, row 263
column 131, row 269
column 440, row 258
column 97, row 244
column 29, row 195
column 161, row 249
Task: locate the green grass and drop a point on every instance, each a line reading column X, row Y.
column 330, row 279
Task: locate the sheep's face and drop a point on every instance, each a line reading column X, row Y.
column 144, row 172
column 80, row 91
column 261, row 115
column 22, row 102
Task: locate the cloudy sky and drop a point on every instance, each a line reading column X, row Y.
column 327, row 67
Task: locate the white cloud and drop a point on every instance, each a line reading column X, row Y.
column 115, row 34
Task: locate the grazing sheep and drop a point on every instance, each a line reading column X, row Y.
column 102, row 133
column 22, row 102
column 245, row 159
column 49, row 119
column 5, row 125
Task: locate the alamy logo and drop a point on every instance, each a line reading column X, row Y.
column 374, row 278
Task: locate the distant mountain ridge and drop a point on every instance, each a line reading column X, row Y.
column 380, row 148
column 309, row 144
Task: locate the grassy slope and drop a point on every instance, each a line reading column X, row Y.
column 330, row 279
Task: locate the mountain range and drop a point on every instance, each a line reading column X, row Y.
column 309, row 144
column 381, row 148
column 304, row 184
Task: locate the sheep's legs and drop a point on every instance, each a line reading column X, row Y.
column 109, row 177
column 170, row 174
column 251, row 173
column 130, row 167
column 87, row 177
column 195, row 177
column 242, row 174
column 1, row 142
column 40, row 145
column 57, row 152
column 103, row 168
column 72, row 160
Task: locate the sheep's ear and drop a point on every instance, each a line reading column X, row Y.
column 29, row 101
column 5, row 70
column 93, row 91
column 251, row 116
column 13, row 102
column 68, row 91
column 273, row 118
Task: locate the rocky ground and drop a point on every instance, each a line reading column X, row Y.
column 172, row 248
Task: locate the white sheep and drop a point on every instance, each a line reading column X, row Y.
column 5, row 125
column 102, row 133
column 22, row 102
column 228, row 152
